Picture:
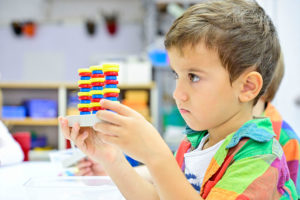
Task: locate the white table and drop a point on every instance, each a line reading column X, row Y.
column 12, row 178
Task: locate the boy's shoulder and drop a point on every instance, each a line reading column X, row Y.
column 255, row 139
column 284, row 132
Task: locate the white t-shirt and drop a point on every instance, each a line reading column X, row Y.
column 197, row 161
column 10, row 150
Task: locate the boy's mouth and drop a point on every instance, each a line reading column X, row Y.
column 183, row 111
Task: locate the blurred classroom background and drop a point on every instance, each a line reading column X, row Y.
column 44, row 42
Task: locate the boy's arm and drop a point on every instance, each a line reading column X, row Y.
column 169, row 179
column 129, row 131
column 143, row 171
column 130, row 183
column 169, row 182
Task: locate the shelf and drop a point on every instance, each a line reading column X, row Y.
column 31, row 122
column 29, row 85
column 59, row 90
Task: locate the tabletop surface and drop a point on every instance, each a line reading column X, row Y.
column 13, row 178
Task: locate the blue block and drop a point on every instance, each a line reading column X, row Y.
column 85, row 101
column 85, row 78
column 111, row 86
column 112, row 98
column 97, row 72
column 110, row 77
column 85, row 113
column 97, row 96
column 85, row 89
column 97, row 88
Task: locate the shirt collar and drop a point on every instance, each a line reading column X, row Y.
column 258, row 129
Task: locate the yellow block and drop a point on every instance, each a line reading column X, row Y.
column 84, row 94
column 84, row 82
column 83, row 105
column 96, row 92
column 95, row 104
column 110, row 67
column 83, row 70
column 109, row 90
column 94, row 80
column 96, row 67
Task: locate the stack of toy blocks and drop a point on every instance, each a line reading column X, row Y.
column 96, row 83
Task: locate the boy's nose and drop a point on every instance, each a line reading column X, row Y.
column 180, row 94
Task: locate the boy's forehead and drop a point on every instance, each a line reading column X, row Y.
column 193, row 56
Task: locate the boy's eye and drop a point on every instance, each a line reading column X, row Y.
column 194, row 77
column 174, row 74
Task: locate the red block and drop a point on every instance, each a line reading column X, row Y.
column 111, row 94
column 111, row 82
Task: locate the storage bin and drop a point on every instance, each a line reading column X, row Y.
column 41, row 108
column 13, row 112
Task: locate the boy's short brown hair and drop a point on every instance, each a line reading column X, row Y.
column 239, row 30
column 276, row 80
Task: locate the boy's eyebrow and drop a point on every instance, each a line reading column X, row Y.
column 195, row 70
column 190, row 69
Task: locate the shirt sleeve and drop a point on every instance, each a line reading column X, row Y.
column 256, row 177
column 10, row 150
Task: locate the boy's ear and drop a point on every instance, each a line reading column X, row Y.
column 251, row 84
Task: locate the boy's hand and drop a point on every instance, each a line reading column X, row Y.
column 89, row 142
column 88, row 167
column 128, row 130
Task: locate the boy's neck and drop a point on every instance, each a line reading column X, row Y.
column 220, row 132
column 259, row 108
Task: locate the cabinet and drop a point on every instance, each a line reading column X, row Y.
column 14, row 93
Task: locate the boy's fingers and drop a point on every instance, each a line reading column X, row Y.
column 107, row 128
column 89, row 174
column 81, row 138
column 83, row 171
column 109, row 139
column 64, row 127
column 74, row 132
column 116, row 106
column 111, row 117
column 84, row 164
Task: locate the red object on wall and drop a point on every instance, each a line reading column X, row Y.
column 111, row 27
column 111, row 21
column 29, row 29
column 24, row 139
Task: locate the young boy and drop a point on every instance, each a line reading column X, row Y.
column 286, row 136
column 223, row 54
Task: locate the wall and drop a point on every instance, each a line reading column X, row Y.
column 61, row 44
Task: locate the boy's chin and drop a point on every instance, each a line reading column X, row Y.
column 196, row 127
